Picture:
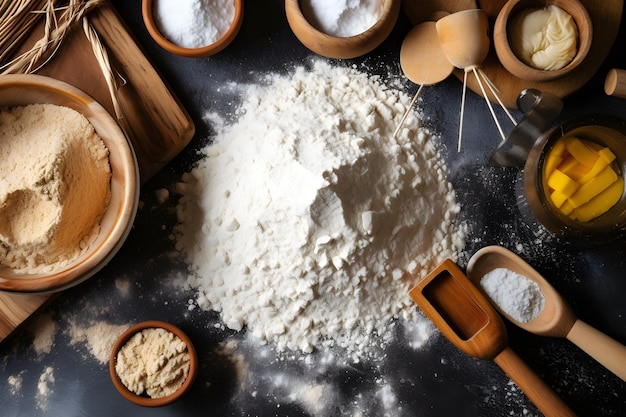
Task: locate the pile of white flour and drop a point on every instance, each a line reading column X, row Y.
column 303, row 217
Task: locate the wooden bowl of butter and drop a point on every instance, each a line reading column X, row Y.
column 539, row 40
column 70, row 185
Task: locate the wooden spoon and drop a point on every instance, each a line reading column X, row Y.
column 422, row 60
column 421, row 56
column 465, row 316
column 464, row 38
column 465, row 43
column 556, row 319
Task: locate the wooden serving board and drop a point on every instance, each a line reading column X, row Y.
column 605, row 17
column 157, row 124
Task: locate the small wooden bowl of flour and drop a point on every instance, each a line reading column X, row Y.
column 70, row 185
column 153, row 363
column 336, row 30
column 193, row 28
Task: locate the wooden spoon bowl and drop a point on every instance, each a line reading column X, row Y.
column 555, row 320
column 421, row 57
column 464, row 37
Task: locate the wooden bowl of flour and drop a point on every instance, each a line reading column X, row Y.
column 170, row 34
column 341, row 36
column 138, row 348
column 31, row 274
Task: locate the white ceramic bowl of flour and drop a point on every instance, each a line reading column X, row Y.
column 118, row 215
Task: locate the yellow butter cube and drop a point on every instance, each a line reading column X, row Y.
column 607, row 155
column 583, row 153
column 558, row 181
column 594, row 187
column 597, row 168
column 552, row 161
column 558, row 149
column 567, row 208
column 601, row 203
column 558, row 198
column 573, row 169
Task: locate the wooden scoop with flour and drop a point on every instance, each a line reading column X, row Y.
column 465, row 316
column 556, row 319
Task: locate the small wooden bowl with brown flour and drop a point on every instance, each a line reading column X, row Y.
column 70, row 185
column 153, row 363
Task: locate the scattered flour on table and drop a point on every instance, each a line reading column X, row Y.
column 99, row 337
column 305, row 214
column 15, row 384
column 44, row 387
column 43, row 329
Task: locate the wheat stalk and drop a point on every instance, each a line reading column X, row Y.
column 18, row 19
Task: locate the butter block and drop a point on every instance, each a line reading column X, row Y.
column 558, row 198
column 552, row 161
column 594, row 187
column 558, row 181
column 601, row 203
column 583, row 154
column 597, row 168
column 607, row 155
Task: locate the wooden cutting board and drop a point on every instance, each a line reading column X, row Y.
column 605, row 17
column 157, row 124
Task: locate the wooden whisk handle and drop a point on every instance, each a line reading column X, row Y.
column 534, row 387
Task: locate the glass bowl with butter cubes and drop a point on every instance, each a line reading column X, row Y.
column 573, row 179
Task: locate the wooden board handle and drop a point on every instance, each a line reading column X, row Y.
column 529, row 382
column 599, row 346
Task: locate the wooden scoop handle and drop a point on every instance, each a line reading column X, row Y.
column 599, row 346
column 529, row 382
